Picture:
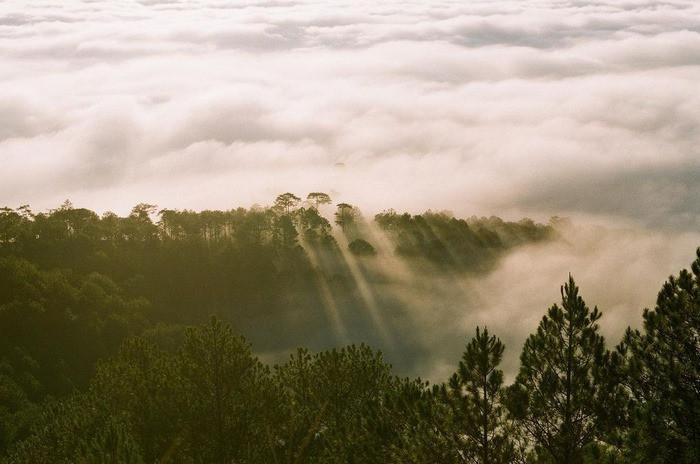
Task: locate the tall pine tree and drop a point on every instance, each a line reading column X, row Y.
column 558, row 392
column 475, row 392
column 664, row 375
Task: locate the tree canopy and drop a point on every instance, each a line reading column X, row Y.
column 121, row 341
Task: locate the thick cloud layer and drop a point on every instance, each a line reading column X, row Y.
column 512, row 107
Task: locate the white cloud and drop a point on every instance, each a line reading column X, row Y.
column 536, row 107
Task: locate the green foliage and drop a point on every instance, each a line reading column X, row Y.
column 475, row 393
column 286, row 202
column 558, row 392
column 362, row 247
column 345, row 216
column 251, row 266
column 663, row 368
column 223, row 394
column 451, row 244
column 213, row 402
column 318, row 198
column 17, row 412
column 78, row 430
column 210, row 402
column 47, row 319
column 99, row 361
column 417, row 425
column 332, row 397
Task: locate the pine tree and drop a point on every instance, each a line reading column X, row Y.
column 332, row 396
column 664, row 374
column 475, row 392
column 558, row 392
column 223, row 393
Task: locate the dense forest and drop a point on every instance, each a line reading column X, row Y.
column 121, row 341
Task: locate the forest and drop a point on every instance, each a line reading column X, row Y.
column 138, row 339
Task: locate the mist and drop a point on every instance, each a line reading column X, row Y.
column 421, row 318
column 618, row 270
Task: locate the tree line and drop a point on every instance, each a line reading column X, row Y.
column 107, row 352
column 70, row 277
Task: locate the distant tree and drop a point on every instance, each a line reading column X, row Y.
column 255, row 226
column 318, row 198
column 475, row 393
column 15, row 223
column 314, row 225
column 345, row 215
column 558, row 392
column 362, row 247
column 46, row 318
column 24, row 211
column 663, row 365
column 143, row 211
column 138, row 226
column 285, row 232
column 66, row 206
column 285, row 202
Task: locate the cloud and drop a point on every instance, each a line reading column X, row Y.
column 442, row 311
column 518, row 107
column 526, row 284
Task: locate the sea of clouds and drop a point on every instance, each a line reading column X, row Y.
column 580, row 108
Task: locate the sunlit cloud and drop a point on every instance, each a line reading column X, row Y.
column 537, row 108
